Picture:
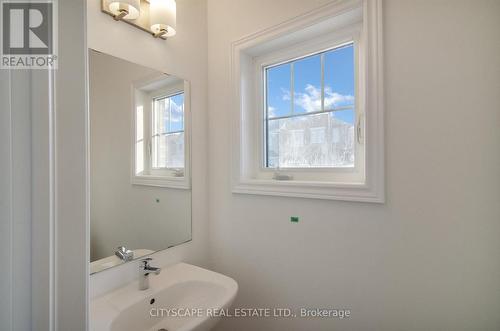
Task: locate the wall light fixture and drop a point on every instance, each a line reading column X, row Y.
column 156, row 17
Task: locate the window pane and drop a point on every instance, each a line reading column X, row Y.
column 339, row 77
column 342, row 137
column 273, row 140
column 168, row 135
column 169, row 151
column 318, row 140
column 278, row 91
column 307, row 84
column 159, row 152
column 160, row 116
column 174, row 147
column 176, row 113
column 305, row 140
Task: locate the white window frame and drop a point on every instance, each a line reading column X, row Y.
column 165, row 177
column 320, row 29
column 311, row 47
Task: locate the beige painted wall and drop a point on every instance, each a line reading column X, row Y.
column 427, row 259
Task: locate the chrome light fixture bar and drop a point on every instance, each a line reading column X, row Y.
column 156, row 17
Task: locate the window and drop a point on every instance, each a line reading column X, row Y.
column 315, row 94
column 161, row 124
column 168, row 132
column 308, row 115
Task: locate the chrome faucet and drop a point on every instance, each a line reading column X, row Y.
column 124, row 254
column 144, row 270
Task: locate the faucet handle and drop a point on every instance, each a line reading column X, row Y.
column 145, row 262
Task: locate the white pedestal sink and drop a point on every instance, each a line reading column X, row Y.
column 181, row 298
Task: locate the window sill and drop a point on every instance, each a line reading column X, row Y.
column 162, row 181
column 311, row 189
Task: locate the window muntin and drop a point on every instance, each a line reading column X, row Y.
column 167, row 134
column 322, row 87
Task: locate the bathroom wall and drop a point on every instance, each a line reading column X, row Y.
column 183, row 56
column 427, row 259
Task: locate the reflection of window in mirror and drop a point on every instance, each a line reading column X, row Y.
column 160, row 137
column 167, row 151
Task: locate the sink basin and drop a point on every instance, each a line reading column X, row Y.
column 182, row 297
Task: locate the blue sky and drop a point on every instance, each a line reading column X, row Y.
column 339, row 84
column 176, row 112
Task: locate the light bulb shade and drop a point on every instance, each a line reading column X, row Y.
column 133, row 8
column 162, row 14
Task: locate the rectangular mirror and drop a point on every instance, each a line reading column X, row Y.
column 140, row 194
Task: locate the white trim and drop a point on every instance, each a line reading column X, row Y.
column 70, row 146
column 16, row 211
column 161, row 181
column 53, row 201
column 243, row 54
column 336, row 39
column 87, row 176
column 308, row 189
column 6, row 196
column 167, row 92
column 44, row 235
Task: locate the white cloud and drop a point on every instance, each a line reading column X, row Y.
column 177, row 112
column 333, row 99
column 286, row 94
column 310, row 100
column 271, row 111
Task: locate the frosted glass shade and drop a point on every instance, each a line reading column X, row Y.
column 133, row 7
column 162, row 14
